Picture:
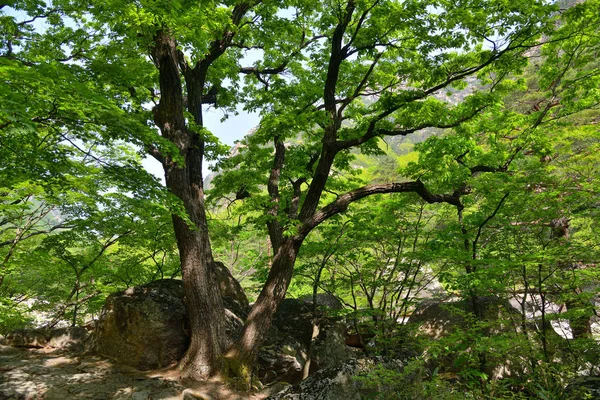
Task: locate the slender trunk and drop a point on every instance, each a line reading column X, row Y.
column 244, row 352
column 75, row 306
column 469, row 269
column 315, row 320
column 543, row 331
column 311, row 348
column 355, row 319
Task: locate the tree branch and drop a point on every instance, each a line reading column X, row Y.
column 343, row 201
column 55, row 227
column 488, row 219
column 372, row 132
column 336, row 58
column 360, row 86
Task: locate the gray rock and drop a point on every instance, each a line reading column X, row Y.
column 289, row 340
column 333, row 383
column 437, row 319
column 62, row 338
column 584, row 388
column 56, row 393
column 331, row 348
column 146, row 327
column 325, row 300
column 281, row 361
column 231, row 290
column 142, row 395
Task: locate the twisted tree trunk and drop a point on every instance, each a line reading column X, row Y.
column 202, row 298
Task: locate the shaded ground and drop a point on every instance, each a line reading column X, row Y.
column 36, row 374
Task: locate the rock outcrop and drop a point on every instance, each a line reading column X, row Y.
column 586, row 387
column 287, row 346
column 334, row 383
column 325, row 300
column 146, row 326
column 231, row 290
column 73, row 339
column 437, row 319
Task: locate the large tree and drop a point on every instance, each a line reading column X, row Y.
column 381, row 69
column 195, row 48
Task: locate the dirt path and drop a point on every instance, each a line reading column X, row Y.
column 39, row 374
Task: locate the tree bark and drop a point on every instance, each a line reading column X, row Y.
column 241, row 357
column 202, row 298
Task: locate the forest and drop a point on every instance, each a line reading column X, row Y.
column 419, row 203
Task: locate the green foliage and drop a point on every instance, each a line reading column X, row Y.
column 413, row 381
column 69, row 184
column 493, row 104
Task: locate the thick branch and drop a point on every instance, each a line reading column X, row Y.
column 343, row 201
column 155, row 153
column 482, row 168
column 295, row 202
column 372, row 132
column 218, row 46
column 336, row 58
column 328, row 152
column 55, row 227
column 33, row 19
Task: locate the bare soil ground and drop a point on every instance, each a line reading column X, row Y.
column 42, row 374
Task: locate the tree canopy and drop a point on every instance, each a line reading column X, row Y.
column 467, row 129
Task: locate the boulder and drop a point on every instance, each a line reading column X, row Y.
column 284, row 355
column 146, row 326
column 587, row 387
column 325, row 300
column 291, row 338
column 231, row 290
column 437, row 319
column 73, row 339
column 281, row 359
column 335, row 382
